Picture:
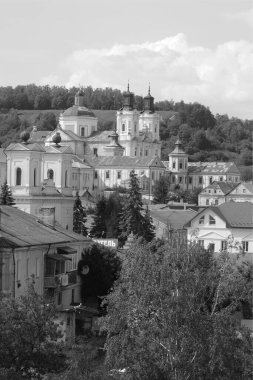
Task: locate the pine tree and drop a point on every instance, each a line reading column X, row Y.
column 98, row 229
column 79, row 217
column 148, row 227
column 6, row 197
column 132, row 219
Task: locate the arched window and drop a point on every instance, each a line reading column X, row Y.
column 18, row 177
column 50, row 174
column 82, row 132
column 66, row 178
column 34, row 177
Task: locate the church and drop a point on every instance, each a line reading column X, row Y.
column 46, row 169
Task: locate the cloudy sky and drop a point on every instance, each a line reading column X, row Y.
column 195, row 50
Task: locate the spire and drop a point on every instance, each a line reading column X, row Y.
column 128, row 102
column 79, row 98
column 149, row 88
column 149, row 101
column 128, row 86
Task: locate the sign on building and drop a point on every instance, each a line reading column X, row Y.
column 111, row 243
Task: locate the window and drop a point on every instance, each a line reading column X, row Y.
column 236, row 179
column 201, row 243
column 95, row 174
column 221, row 179
column 135, row 151
column 119, row 175
column 244, row 190
column 190, row 180
column 82, row 132
column 95, row 151
column 200, row 180
column 66, row 178
column 37, row 267
column 135, row 127
column 34, row 177
column 146, row 152
column 180, row 179
column 107, row 174
column 153, row 175
column 174, row 165
column 211, row 220
column 211, row 247
column 59, row 298
column 72, row 296
column 216, row 202
column 209, row 191
column 207, row 202
column 18, row 177
column 180, row 165
column 230, row 179
column 223, row 245
column 210, row 180
column 123, row 128
column 215, row 191
column 202, row 220
column 50, row 174
column 245, row 246
column 173, row 179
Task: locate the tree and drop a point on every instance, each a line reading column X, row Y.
column 79, row 217
column 6, row 197
column 28, row 335
column 161, row 189
column 98, row 228
column 148, row 227
column 170, row 315
column 104, row 267
column 132, row 219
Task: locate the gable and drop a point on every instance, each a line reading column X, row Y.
column 241, row 189
column 214, row 236
column 156, row 162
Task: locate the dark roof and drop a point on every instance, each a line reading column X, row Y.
column 25, row 147
column 225, row 187
column 38, row 136
column 235, row 214
column 20, row 229
column 78, row 111
column 175, row 218
column 212, row 167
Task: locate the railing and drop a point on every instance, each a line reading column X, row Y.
column 54, row 281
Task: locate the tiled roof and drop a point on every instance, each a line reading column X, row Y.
column 122, row 161
column 20, row 229
column 213, row 167
column 100, row 137
column 58, row 149
column 237, row 214
column 225, row 187
column 175, row 218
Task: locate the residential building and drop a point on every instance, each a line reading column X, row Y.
column 225, row 227
column 216, row 193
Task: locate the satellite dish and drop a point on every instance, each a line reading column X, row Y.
column 85, row 269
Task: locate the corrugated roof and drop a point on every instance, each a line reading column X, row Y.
column 175, row 218
column 19, row 229
column 213, row 167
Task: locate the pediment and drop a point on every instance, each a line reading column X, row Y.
column 213, row 235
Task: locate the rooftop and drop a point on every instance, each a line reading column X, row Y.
column 123, row 161
column 20, row 229
column 78, row 111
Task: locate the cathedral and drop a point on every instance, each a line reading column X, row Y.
column 46, row 169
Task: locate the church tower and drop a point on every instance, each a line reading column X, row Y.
column 178, row 165
column 128, row 123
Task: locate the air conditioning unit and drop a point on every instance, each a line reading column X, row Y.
column 64, row 279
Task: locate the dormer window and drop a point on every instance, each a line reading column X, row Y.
column 202, row 219
column 212, row 221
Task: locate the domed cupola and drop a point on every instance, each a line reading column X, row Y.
column 128, row 99
column 149, row 102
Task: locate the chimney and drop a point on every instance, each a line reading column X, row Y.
column 47, row 216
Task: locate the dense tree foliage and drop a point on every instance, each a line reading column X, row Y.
column 132, row 219
column 170, row 315
column 28, row 336
column 104, row 266
column 6, row 197
column 98, row 228
column 160, row 191
column 79, row 217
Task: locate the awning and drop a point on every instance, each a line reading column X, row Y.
column 57, row 257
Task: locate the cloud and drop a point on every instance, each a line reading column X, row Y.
column 244, row 16
column 220, row 78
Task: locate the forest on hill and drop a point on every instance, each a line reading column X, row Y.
column 205, row 137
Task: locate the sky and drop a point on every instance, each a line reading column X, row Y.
column 191, row 50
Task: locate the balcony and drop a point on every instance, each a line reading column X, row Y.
column 63, row 279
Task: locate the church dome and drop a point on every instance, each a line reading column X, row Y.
column 78, row 111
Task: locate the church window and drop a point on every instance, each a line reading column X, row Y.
column 18, row 177
column 34, row 177
column 174, row 165
column 119, row 175
column 50, row 174
column 82, row 131
column 66, row 178
column 211, row 220
column 107, row 174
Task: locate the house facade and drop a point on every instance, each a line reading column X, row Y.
column 228, row 226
